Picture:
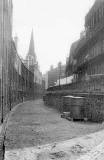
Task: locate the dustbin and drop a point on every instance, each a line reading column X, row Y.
column 67, row 103
column 74, row 105
column 77, row 108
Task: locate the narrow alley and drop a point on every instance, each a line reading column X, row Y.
column 33, row 124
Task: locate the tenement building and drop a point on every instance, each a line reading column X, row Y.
column 86, row 60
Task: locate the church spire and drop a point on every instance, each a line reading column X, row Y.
column 31, row 51
column 31, row 56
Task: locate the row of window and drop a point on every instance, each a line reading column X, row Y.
column 92, row 70
column 96, row 50
column 96, row 17
column 96, row 69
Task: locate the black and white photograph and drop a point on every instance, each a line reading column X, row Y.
column 51, row 79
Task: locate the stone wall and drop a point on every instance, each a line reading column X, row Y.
column 91, row 108
column 94, row 107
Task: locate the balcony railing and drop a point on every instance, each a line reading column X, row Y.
column 94, row 84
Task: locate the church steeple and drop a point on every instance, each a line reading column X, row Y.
column 31, row 51
column 31, row 56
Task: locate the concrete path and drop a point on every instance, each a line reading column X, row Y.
column 37, row 132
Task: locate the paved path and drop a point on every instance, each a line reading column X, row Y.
column 33, row 124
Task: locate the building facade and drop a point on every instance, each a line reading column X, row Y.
column 87, row 60
column 6, row 8
column 16, row 80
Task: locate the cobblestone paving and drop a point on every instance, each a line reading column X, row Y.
column 34, row 124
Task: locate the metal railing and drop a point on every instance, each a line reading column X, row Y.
column 94, row 84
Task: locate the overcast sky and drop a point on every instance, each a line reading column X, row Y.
column 56, row 24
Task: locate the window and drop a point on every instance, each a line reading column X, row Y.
column 95, row 19
column 103, row 46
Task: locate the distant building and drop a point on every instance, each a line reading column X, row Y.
column 45, row 77
column 55, row 74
